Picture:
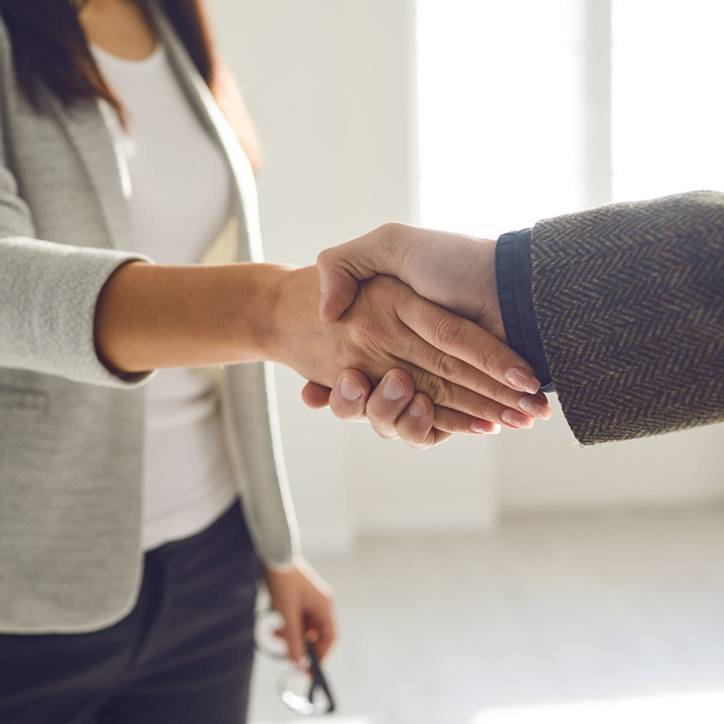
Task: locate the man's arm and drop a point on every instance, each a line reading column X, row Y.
column 627, row 302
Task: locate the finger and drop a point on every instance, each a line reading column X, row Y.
column 388, row 400
column 294, row 635
column 415, row 424
column 438, row 377
column 337, row 289
column 326, row 626
column 341, row 268
column 449, row 350
column 430, row 425
column 456, row 422
column 466, row 341
column 349, row 395
column 462, row 400
column 315, row 396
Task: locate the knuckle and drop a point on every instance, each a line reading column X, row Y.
column 484, row 408
column 433, row 387
column 325, row 257
column 448, row 366
column 487, row 359
column 361, row 331
column 390, row 230
column 446, row 331
column 500, row 392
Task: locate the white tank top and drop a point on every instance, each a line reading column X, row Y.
column 180, row 199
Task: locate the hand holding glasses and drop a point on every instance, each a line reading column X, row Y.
column 304, row 691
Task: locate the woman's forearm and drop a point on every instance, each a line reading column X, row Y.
column 151, row 316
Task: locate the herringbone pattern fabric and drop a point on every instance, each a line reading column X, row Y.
column 630, row 304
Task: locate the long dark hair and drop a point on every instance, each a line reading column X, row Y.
column 50, row 49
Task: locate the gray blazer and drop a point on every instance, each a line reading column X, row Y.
column 71, row 433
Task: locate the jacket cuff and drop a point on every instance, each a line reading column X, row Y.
column 50, row 304
column 513, row 277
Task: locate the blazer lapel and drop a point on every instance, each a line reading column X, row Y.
column 87, row 126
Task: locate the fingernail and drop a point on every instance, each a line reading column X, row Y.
column 522, row 380
column 515, row 419
column 495, row 430
column 350, row 389
column 393, row 389
column 480, row 427
column 534, row 408
column 417, row 409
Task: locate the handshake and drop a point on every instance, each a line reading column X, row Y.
column 426, row 334
column 411, row 338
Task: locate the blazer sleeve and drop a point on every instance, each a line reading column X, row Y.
column 48, row 290
column 629, row 300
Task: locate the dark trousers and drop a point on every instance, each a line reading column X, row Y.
column 183, row 655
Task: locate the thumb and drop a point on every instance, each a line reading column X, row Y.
column 343, row 267
column 338, row 288
column 294, row 635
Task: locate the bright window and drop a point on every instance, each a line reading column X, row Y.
column 527, row 109
column 668, row 96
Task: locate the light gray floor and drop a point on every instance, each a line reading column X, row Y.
column 548, row 612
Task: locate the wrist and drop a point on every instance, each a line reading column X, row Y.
column 251, row 292
column 490, row 317
column 290, row 316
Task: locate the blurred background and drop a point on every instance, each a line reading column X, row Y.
column 521, row 578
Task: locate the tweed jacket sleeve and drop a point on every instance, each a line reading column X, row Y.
column 629, row 300
column 48, row 290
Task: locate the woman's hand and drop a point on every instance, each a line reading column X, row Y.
column 409, row 416
column 305, row 602
column 460, row 367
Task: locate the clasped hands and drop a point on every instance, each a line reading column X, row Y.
column 409, row 336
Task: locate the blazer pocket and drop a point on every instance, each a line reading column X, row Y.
column 20, row 398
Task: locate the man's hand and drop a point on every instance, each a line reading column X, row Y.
column 457, row 272
column 454, row 271
column 459, row 366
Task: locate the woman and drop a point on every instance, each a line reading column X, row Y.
column 136, row 505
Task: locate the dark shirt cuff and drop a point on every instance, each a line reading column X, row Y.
column 513, row 271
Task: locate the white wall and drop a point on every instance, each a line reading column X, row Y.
column 329, row 84
column 546, row 469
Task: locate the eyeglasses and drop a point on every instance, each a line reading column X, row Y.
column 305, row 692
